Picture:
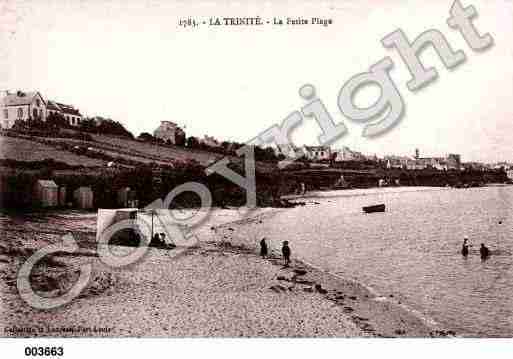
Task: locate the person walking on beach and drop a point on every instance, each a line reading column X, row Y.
column 285, row 250
column 263, row 248
column 464, row 247
column 484, row 251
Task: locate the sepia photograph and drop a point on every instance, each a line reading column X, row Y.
column 287, row 170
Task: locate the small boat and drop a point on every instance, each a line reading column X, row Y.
column 375, row 208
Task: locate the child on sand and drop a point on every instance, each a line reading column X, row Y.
column 285, row 250
column 484, row 251
column 263, row 248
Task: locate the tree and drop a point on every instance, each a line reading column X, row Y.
column 192, row 142
column 145, row 136
column 114, row 128
column 180, row 138
column 56, row 121
column 88, row 125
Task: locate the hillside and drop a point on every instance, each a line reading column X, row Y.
column 101, row 149
column 25, row 150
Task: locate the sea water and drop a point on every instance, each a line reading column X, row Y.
column 412, row 251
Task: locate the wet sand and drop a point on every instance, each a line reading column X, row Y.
column 220, row 288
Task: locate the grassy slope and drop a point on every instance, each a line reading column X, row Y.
column 22, row 149
column 162, row 152
column 25, row 150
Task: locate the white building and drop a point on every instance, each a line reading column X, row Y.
column 210, row 141
column 70, row 113
column 21, row 106
column 346, row 154
column 168, row 131
column 31, row 105
column 398, row 161
column 317, row 153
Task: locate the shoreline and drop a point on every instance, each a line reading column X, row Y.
column 389, row 317
column 354, row 192
column 316, row 303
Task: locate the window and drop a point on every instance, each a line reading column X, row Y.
column 34, row 112
column 20, row 113
column 38, row 103
column 6, row 113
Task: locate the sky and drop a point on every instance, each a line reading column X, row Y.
column 131, row 61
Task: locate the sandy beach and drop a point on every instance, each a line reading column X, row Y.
column 219, row 288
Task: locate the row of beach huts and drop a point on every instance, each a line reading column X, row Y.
column 47, row 194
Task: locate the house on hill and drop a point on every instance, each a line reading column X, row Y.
column 21, row 106
column 317, row 153
column 210, row 141
column 71, row 114
column 346, row 154
column 168, row 131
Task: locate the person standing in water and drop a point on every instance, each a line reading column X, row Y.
column 484, row 251
column 464, row 247
column 285, row 250
column 263, row 248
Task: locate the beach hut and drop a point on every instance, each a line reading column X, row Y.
column 62, row 196
column 127, row 198
column 46, row 193
column 83, row 197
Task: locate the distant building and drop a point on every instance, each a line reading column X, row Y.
column 397, row 161
column 453, row 161
column 437, row 163
column 21, row 106
column 317, row 153
column 31, row 105
column 168, row 131
column 210, row 141
column 414, row 164
column 499, row 165
column 475, row 166
column 70, row 113
column 346, row 154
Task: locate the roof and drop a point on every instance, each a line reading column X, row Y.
column 20, row 98
column 52, row 106
column 68, row 109
column 47, row 183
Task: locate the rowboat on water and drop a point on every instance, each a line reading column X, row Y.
column 374, row 208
